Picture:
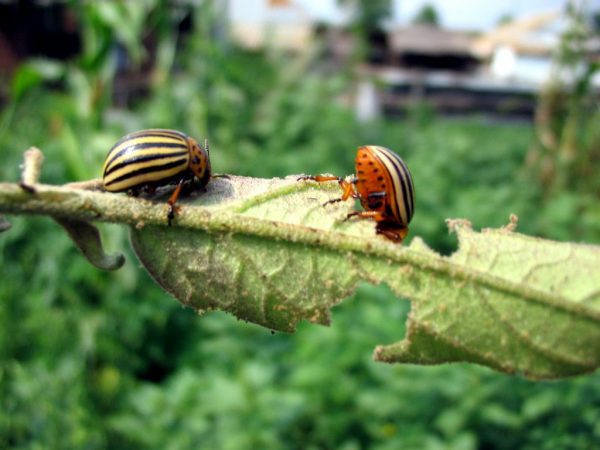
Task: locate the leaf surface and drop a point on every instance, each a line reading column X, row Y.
column 270, row 253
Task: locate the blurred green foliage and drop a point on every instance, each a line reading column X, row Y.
column 90, row 359
column 565, row 155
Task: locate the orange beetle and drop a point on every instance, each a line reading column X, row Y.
column 384, row 186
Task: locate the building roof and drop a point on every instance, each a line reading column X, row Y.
column 429, row 39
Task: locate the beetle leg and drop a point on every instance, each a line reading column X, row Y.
column 172, row 200
column 133, row 192
column 347, row 186
column 393, row 234
column 319, row 178
column 376, row 215
column 333, row 200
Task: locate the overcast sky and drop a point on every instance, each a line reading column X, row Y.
column 466, row 14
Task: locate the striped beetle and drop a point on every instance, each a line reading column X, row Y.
column 146, row 159
column 384, row 186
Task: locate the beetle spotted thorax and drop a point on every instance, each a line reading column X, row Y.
column 199, row 160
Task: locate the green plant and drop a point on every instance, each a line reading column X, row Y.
column 566, row 154
column 107, row 360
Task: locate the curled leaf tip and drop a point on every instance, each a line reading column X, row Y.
column 87, row 238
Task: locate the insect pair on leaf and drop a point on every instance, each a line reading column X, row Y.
column 147, row 159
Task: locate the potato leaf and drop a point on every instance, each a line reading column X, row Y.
column 270, row 253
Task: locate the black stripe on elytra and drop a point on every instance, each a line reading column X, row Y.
column 405, row 178
column 143, row 158
column 402, row 174
column 147, row 170
column 410, row 183
column 142, row 146
column 150, row 133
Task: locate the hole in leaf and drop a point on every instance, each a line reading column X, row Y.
column 372, row 315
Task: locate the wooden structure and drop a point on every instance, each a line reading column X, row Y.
column 427, row 47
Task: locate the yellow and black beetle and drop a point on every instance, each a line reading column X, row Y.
column 146, row 159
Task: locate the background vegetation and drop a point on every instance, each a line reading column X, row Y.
column 107, row 360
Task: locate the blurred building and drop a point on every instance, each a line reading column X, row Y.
column 521, row 49
column 29, row 28
column 280, row 24
column 455, row 71
column 500, row 72
column 429, row 47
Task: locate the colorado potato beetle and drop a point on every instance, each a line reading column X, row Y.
column 147, row 159
column 384, row 186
